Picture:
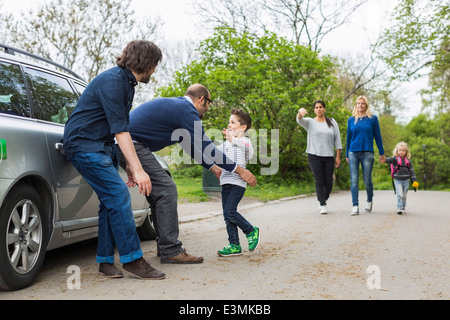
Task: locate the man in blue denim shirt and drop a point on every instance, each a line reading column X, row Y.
column 101, row 115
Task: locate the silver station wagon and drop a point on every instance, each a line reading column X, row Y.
column 44, row 202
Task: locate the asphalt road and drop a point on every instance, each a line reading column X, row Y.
column 303, row 255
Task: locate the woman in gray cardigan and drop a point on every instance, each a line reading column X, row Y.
column 323, row 138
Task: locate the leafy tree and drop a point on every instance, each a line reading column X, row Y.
column 270, row 78
column 419, row 43
column 82, row 35
column 305, row 22
column 391, row 133
column 429, row 144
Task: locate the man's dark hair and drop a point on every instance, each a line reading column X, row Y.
column 139, row 56
column 243, row 117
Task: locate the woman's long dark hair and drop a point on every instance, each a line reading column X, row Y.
column 328, row 120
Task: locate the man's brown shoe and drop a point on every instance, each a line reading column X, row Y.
column 183, row 257
column 143, row 270
column 109, row 270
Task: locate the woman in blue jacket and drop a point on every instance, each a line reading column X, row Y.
column 362, row 128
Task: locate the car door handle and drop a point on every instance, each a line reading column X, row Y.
column 60, row 147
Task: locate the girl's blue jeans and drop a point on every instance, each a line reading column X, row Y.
column 231, row 196
column 401, row 189
column 366, row 159
column 116, row 226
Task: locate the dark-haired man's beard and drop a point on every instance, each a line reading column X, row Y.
column 146, row 79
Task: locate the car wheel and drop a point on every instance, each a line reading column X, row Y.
column 147, row 231
column 22, row 237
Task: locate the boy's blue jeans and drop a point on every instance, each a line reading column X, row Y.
column 366, row 159
column 231, row 196
column 116, row 226
column 401, row 189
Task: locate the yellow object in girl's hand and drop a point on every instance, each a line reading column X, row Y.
column 415, row 184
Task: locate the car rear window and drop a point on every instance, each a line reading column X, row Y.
column 53, row 96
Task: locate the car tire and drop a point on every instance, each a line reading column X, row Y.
column 23, row 236
column 147, row 230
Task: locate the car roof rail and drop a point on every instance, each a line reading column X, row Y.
column 12, row 50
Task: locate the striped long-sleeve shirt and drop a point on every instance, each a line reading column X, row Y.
column 240, row 150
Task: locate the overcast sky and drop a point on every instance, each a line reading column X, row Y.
column 355, row 37
column 179, row 20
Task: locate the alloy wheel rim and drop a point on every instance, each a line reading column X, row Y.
column 24, row 236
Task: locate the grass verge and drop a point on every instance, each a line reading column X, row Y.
column 189, row 183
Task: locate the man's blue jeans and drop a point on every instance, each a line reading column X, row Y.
column 231, row 196
column 116, row 226
column 366, row 159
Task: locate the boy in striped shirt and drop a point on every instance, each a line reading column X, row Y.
column 238, row 148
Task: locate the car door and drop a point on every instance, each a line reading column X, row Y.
column 53, row 101
column 23, row 143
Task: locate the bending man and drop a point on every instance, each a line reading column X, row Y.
column 152, row 127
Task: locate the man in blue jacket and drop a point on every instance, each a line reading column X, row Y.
column 163, row 122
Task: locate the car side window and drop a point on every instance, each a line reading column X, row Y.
column 13, row 92
column 80, row 88
column 53, row 96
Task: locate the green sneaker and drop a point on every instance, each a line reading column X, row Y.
column 253, row 239
column 230, row 250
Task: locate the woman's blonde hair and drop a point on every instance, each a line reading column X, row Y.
column 402, row 145
column 355, row 112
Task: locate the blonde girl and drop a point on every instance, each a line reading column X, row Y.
column 402, row 171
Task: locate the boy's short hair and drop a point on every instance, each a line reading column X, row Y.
column 243, row 117
column 140, row 56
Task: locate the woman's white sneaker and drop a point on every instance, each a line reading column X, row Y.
column 369, row 206
column 355, row 211
column 323, row 209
